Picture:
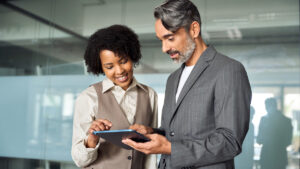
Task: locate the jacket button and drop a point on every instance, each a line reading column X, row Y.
column 129, row 157
column 172, row 133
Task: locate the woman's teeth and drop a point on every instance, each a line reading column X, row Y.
column 122, row 78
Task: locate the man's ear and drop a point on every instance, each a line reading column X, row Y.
column 195, row 29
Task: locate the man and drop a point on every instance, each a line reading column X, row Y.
column 275, row 134
column 205, row 115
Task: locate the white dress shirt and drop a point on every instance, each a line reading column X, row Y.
column 87, row 105
column 184, row 76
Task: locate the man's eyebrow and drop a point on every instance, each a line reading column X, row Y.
column 168, row 35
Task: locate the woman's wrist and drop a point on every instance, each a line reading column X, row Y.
column 91, row 143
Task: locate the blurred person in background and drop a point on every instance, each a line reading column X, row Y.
column 274, row 134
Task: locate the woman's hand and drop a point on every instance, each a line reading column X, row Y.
column 141, row 129
column 97, row 125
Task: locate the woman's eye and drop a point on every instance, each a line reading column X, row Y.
column 110, row 67
column 123, row 61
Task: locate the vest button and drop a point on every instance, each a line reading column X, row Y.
column 172, row 133
column 129, row 157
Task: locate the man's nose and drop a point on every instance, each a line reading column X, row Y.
column 164, row 47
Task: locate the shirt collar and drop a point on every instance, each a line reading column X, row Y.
column 108, row 85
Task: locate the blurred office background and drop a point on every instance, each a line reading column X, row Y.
column 42, row 71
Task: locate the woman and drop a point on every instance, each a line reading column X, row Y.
column 115, row 103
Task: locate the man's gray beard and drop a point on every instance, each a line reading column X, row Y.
column 186, row 55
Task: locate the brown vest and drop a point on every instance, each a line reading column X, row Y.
column 111, row 156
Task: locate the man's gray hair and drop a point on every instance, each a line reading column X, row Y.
column 175, row 14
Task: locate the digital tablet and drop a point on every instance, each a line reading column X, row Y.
column 116, row 136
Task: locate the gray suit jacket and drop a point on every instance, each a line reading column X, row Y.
column 209, row 121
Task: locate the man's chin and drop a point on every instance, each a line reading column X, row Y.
column 179, row 60
column 176, row 61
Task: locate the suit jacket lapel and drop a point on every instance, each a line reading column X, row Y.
column 200, row 66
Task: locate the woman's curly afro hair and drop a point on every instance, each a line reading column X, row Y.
column 117, row 38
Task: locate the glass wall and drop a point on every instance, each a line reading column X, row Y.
column 42, row 71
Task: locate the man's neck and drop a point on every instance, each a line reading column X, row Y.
column 200, row 48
